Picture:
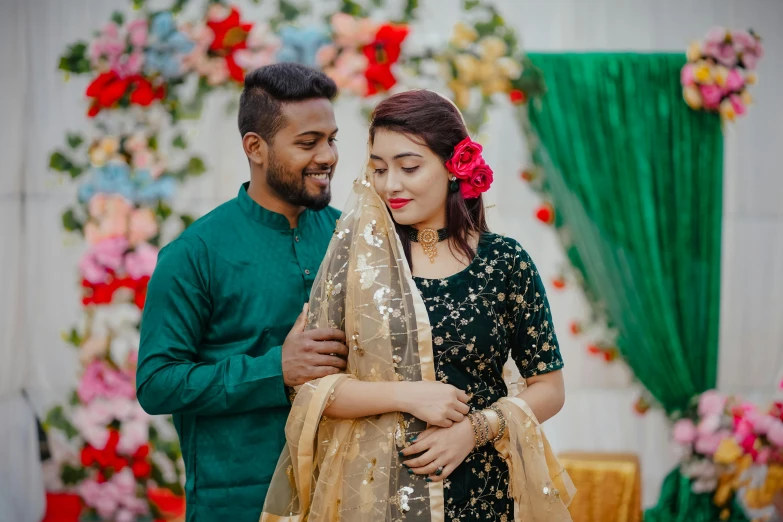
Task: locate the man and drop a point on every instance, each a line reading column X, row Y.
column 218, row 350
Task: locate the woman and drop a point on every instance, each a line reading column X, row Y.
column 433, row 305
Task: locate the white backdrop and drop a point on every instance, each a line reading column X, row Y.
column 39, row 291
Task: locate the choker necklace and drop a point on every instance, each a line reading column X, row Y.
column 429, row 240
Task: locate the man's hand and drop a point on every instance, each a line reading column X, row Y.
column 312, row 354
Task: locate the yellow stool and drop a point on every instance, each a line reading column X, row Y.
column 608, row 486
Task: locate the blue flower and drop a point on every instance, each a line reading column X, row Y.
column 300, row 45
column 150, row 190
column 112, row 178
column 165, row 47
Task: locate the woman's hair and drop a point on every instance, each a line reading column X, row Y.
column 431, row 120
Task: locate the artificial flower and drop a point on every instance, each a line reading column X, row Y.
column 711, row 402
column 262, row 45
column 142, row 226
column 112, row 178
column 351, row 32
column 301, row 44
column 718, row 45
column 749, row 48
column 684, row 431
column 166, row 47
column 382, row 53
column 150, row 190
column 109, row 215
column 94, row 347
column 693, row 97
column 229, row 36
column 99, row 380
column 104, row 257
column 117, row 289
column 734, row 81
column 141, row 261
column 109, row 88
column 463, row 35
column 775, row 434
column 711, row 96
column 491, row 48
column 104, row 150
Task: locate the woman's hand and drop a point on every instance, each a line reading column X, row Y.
column 436, row 403
column 444, row 448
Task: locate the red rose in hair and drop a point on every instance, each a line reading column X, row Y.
column 478, row 182
column 466, row 157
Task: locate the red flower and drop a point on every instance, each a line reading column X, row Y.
column 141, row 469
column 641, row 406
column 103, row 293
column 576, row 328
column 230, row 36
column 108, row 89
column 169, row 504
column 527, row 175
column 478, row 182
column 517, row 97
column 559, row 283
column 382, row 54
column 593, row 349
column 546, row 213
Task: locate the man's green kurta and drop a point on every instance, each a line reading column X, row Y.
column 220, row 303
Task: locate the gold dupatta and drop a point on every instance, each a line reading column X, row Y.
column 349, row 470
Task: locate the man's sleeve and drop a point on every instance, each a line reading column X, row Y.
column 170, row 377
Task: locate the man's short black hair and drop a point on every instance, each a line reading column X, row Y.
column 269, row 87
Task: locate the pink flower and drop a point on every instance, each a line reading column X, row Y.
column 478, row 182
column 761, row 423
column 143, row 226
column 749, row 47
column 353, row 32
column 734, row 80
column 738, row 105
column 326, row 54
column 712, row 95
column 775, row 434
column 466, row 157
column 708, row 425
column 137, row 32
column 686, row 75
column 99, row 380
column 711, row 403
column 133, row 434
column 141, row 262
column 748, row 444
column 708, row 444
column 719, row 46
column 684, row 431
column 102, row 257
column 93, row 348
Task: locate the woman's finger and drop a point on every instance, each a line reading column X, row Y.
column 455, row 416
column 463, row 408
column 447, row 469
column 420, row 443
column 427, row 469
column 420, row 461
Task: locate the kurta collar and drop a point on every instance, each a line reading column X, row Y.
column 266, row 217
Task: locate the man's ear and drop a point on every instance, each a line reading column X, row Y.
column 256, row 149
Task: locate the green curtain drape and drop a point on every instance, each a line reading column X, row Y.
column 636, row 180
column 635, row 177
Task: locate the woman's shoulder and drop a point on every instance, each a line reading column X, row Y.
column 504, row 247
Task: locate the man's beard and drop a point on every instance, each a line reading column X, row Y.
column 292, row 186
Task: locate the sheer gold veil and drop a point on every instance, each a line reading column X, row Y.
column 349, row 470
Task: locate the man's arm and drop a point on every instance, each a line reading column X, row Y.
column 169, row 377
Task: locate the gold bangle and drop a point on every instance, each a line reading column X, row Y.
column 501, row 420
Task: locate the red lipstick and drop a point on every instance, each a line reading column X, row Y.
column 398, row 203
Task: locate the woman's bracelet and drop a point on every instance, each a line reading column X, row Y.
column 501, row 420
column 480, row 427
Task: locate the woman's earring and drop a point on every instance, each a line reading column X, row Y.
column 453, row 184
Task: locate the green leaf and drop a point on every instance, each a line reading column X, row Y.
column 410, row 10
column 73, row 338
column 72, row 476
column 352, row 8
column 470, row 4
column 138, row 4
column 75, row 172
column 196, row 166
column 377, row 3
column 187, row 220
column 153, row 142
column 56, row 419
column 74, row 400
column 59, row 162
column 179, row 142
column 289, row 11
column 75, row 59
column 163, row 210
column 117, row 17
column 74, row 140
column 70, row 223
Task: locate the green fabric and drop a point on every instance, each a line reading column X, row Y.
column 679, row 504
column 635, row 177
column 495, row 307
column 220, row 303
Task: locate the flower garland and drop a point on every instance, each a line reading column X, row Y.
column 123, row 464
column 732, row 449
column 719, row 71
